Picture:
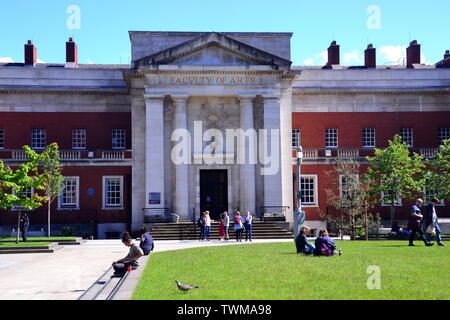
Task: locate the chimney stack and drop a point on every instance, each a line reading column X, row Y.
column 370, row 57
column 333, row 54
column 30, row 54
column 412, row 54
column 446, row 60
column 71, row 54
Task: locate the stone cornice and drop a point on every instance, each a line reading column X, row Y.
column 142, row 72
column 62, row 91
column 369, row 91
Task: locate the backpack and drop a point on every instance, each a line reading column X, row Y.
column 200, row 222
column 324, row 250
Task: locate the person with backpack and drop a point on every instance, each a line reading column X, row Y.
column 325, row 246
column 201, row 225
column 238, row 226
column 24, row 224
column 301, row 242
column 146, row 243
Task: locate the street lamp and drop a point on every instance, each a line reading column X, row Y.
column 299, row 214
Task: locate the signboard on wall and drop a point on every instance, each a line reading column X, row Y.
column 154, row 198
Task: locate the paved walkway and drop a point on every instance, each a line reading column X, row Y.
column 67, row 273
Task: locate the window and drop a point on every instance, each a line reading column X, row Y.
column 368, row 137
column 345, row 184
column 308, row 185
column 2, row 138
column 331, row 138
column 443, row 134
column 296, row 138
column 118, row 139
column 112, row 191
column 69, row 198
column 79, row 139
column 38, row 138
column 407, row 136
column 430, row 193
column 398, row 201
column 26, row 193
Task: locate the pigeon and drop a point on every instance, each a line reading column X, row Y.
column 184, row 287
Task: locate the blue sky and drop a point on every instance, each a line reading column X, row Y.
column 102, row 36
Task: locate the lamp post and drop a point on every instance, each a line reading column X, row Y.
column 299, row 214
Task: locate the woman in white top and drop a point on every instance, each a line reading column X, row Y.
column 207, row 225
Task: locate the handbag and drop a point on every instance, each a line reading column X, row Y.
column 431, row 229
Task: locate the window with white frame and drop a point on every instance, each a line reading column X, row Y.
column 368, row 138
column 112, row 191
column 443, row 134
column 308, row 185
column 407, row 136
column 2, row 138
column 27, row 192
column 118, row 138
column 38, row 137
column 345, row 184
column 296, row 138
column 398, row 201
column 78, row 138
column 331, row 138
column 429, row 193
column 69, row 198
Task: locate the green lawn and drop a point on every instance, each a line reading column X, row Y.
column 23, row 244
column 275, row 271
column 40, row 238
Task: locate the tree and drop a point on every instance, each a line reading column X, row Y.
column 352, row 200
column 14, row 184
column 437, row 177
column 53, row 180
column 394, row 173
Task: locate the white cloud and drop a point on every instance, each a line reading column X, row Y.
column 89, row 61
column 393, row 54
column 6, row 60
column 319, row 59
column 40, row 61
column 353, row 58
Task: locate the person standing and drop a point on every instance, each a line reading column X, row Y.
column 207, row 225
column 221, row 227
column 238, row 227
column 201, row 223
column 226, row 225
column 248, row 220
column 24, row 224
column 414, row 223
column 431, row 221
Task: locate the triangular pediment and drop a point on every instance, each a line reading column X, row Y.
column 213, row 49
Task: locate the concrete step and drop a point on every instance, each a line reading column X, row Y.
column 31, row 249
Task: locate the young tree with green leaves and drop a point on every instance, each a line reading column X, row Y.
column 14, row 184
column 437, row 177
column 395, row 173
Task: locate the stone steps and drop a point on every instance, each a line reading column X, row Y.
column 51, row 248
column 189, row 231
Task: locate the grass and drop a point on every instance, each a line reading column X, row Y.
column 39, row 238
column 274, row 271
column 23, row 244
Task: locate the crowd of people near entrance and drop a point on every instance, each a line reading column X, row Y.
column 241, row 225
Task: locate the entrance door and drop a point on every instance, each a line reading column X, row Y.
column 214, row 192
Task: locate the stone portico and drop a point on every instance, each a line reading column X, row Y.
column 206, row 85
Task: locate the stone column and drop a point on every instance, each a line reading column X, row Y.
column 154, row 149
column 138, row 145
column 273, row 187
column 247, row 152
column 181, row 203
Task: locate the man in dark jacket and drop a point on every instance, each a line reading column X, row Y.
column 24, row 224
column 414, row 223
column 146, row 243
column 431, row 219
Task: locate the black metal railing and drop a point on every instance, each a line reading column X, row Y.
column 156, row 215
column 273, row 213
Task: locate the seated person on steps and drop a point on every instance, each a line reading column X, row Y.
column 122, row 265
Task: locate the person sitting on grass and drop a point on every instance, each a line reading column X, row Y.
column 121, row 266
column 301, row 242
column 325, row 246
